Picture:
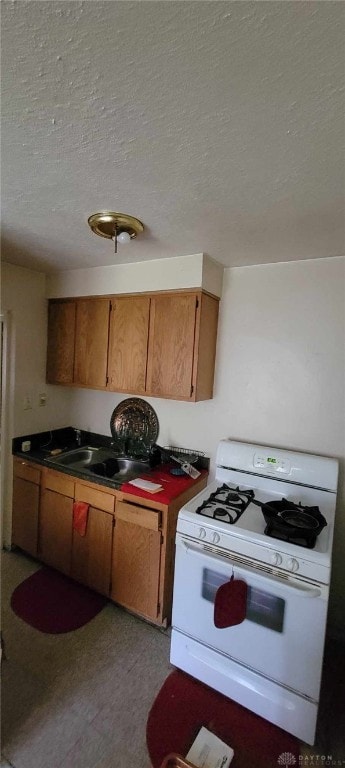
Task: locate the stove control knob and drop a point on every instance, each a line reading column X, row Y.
column 276, row 558
column 293, row 564
column 216, row 538
column 202, row 533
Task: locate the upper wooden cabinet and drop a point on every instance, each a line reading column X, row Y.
column 171, row 345
column 61, row 338
column 91, row 342
column 77, row 351
column 128, row 340
column 182, row 346
column 160, row 345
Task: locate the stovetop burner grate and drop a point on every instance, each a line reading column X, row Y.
column 285, row 520
column 227, row 504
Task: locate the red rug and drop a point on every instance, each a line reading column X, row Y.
column 184, row 704
column 53, row 603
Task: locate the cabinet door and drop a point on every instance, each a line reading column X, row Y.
column 55, row 530
column 205, row 347
column 128, row 336
column 91, row 554
column 25, row 515
column 136, row 559
column 171, row 345
column 61, row 337
column 91, row 347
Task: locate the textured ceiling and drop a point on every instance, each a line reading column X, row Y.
column 219, row 124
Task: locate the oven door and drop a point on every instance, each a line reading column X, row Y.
column 282, row 635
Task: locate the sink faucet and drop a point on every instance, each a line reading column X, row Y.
column 78, row 437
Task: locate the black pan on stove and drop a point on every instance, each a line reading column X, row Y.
column 293, row 519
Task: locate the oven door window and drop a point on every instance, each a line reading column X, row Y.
column 262, row 607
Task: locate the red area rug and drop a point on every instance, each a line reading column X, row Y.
column 53, row 603
column 184, row 704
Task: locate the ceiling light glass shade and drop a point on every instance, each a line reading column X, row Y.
column 124, row 237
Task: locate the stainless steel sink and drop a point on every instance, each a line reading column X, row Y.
column 81, row 457
column 118, row 468
column 102, row 462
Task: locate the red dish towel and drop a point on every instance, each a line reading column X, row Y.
column 230, row 603
column 80, row 515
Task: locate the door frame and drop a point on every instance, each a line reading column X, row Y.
column 6, row 427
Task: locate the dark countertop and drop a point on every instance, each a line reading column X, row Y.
column 43, row 443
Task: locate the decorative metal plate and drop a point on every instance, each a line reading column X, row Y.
column 134, row 420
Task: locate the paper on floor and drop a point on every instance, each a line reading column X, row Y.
column 207, row 751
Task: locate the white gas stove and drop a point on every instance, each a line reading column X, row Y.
column 267, row 520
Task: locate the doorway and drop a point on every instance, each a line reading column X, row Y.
column 5, row 425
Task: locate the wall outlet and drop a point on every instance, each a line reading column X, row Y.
column 42, row 398
column 27, row 403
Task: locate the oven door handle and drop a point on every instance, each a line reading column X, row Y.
column 244, row 569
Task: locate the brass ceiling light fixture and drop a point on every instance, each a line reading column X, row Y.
column 115, row 226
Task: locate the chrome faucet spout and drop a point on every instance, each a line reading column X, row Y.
column 78, row 437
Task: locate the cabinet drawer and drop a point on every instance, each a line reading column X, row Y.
column 94, row 497
column 132, row 513
column 27, row 471
column 54, row 481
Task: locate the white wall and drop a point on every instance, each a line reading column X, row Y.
column 280, row 375
column 195, row 271
column 23, row 301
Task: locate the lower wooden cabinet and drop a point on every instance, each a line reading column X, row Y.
column 55, row 530
column 25, row 506
column 127, row 552
column 55, row 520
column 137, row 559
column 91, row 553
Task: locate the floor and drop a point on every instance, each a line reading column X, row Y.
column 81, row 700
